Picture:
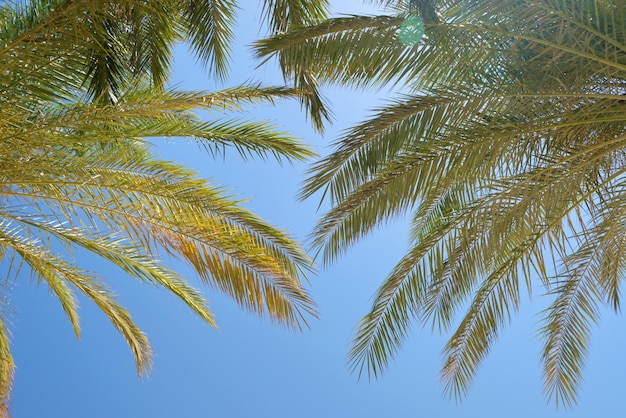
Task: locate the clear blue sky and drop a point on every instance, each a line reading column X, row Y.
column 249, row 368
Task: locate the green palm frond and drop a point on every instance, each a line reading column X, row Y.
column 349, row 43
column 284, row 14
column 116, row 41
column 507, row 149
column 210, row 32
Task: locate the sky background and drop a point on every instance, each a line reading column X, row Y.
column 250, row 368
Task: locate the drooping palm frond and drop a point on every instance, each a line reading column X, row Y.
column 286, row 14
column 7, row 368
column 155, row 207
column 115, row 41
column 210, row 31
column 78, row 163
column 81, row 99
column 507, row 148
column 308, row 62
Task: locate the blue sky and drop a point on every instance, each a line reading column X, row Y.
column 249, row 368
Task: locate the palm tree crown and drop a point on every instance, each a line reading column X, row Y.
column 506, row 148
column 82, row 92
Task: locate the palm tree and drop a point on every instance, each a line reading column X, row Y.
column 82, row 93
column 505, row 146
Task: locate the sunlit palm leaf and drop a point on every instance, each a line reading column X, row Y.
column 82, row 92
column 507, row 148
column 7, row 368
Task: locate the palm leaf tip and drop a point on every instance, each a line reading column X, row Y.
column 7, row 369
column 566, row 335
column 236, row 252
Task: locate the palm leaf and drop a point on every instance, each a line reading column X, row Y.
column 506, row 148
column 82, row 97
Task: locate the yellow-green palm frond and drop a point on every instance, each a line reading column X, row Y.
column 127, row 207
column 7, row 368
column 591, row 276
column 154, row 203
column 142, row 113
column 507, row 149
column 62, row 276
column 81, row 98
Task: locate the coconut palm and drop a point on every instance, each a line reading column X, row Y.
column 506, row 147
column 78, row 174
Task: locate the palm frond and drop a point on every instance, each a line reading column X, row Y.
column 83, row 93
column 507, row 150
column 158, row 205
column 209, row 30
column 7, row 369
column 284, row 14
column 59, row 274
